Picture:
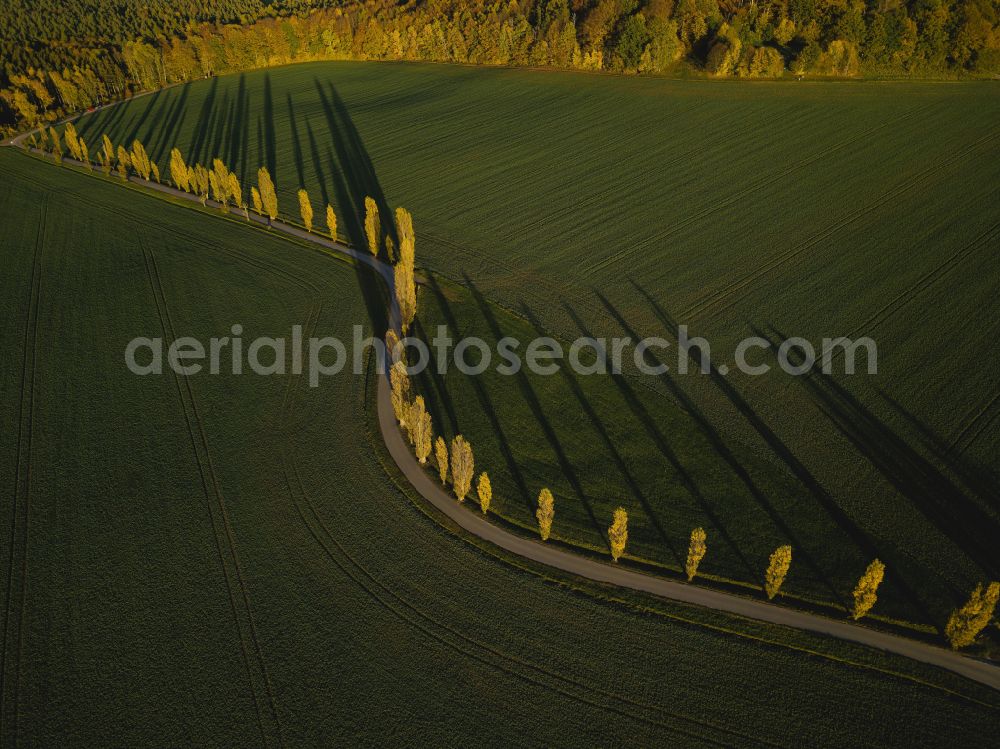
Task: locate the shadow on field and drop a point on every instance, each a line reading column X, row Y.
column 270, row 140
column 204, row 122
column 165, row 135
column 296, row 143
column 923, row 484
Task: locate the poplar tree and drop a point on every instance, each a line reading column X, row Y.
column 392, row 347
column 306, row 209
column 267, row 194
column 420, row 429
column 109, row 154
column 441, row 455
column 618, row 533
column 57, row 147
column 180, row 175
column 373, row 228
column 414, row 412
column 404, row 228
column 400, row 382
column 331, row 222
column 462, row 467
column 966, row 622
column 84, row 152
column 123, row 162
column 156, row 172
column 200, row 182
column 696, row 551
column 485, row 492
column 235, row 190
column 72, row 141
column 406, row 294
column 258, row 207
column 219, row 180
column 777, row 568
column 140, row 160
column 866, row 591
column 545, row 513
column 390, row 249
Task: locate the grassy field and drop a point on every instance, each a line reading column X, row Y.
column 225, row 560
column 612, row 206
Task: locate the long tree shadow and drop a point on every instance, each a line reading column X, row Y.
column 236, row 127
column 203, row 125
column 161, row 115
column 138, row 123
column 270, row 139
column 842, row 522
column 165, row 135
column 355, row 163
column 535, row 406
column 927, row 488
column 296, row 143
column 317, row 164
column 718, row 445
column 486, row 404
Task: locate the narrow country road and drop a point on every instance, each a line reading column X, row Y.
column 537, row 551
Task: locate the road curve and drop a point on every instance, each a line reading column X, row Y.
column 551, row 556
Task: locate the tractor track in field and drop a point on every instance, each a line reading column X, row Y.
column 727, row 294
column 748, row 190
column 970, row 438
column 10, row 654
column 259, row 681
column 468, row 647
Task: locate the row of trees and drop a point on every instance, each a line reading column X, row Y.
column 964, row 624
column 760, row 39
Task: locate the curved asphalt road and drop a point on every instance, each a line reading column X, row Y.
column 537, row 551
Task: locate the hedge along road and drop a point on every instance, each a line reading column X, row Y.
column 608, row 573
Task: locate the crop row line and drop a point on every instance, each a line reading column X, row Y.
column 221, row 530
column 10, row 666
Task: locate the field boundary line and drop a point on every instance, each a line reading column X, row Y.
column 224, row 538
column 18, row 551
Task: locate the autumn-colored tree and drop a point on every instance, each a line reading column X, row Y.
column 180, row 175
column 155, row 171
column 390, row 249
column 462, row 467
column 218, row 178
column 373, row 228
column 545, row 513
column 84, row 152
column 777, row 568
column 404, row 229
column 306, row 210
column 140, row 160
column 400, row 382
column 415, row 410
column 406, row 294
column 866, row 591
column 267, row 194
column 258, row 206
column 392, row 346
column 72, row 141
column 57, row 146
column 108, row 151
column 696, row 551
column 123, row 162
column 331, row 222
column 235, row 190
column 618, row 533
column 441, row 455
column 419, row 422
column 200, row 182
column 966, row 622
column 485, row 491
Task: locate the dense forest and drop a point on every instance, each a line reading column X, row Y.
column 61, row 56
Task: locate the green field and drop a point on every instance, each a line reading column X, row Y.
column 228, row 561
column 602, row 205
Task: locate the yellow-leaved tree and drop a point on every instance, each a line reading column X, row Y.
column 462, row 467
column 155, row 170
column 696, row 551
column 179, row 173
column 331, row 222
column 72, row 141
column 373, row 228
column 406, row 294
column 306, row 209
column 419, row 425
column 123, row 162
column 400, row 382
column 618, row 533
column 200, row 182
column 485, row 491
column 967, row 621
column 107, row 154
column 441, row 455
column 777, row 568
column 545, row 513
column 140, row 160
column 57, row 146
column 235, row 190
column 258, row 207
column 267, row 194
column 84, row 152
column 866, row 591
column 219, row 180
